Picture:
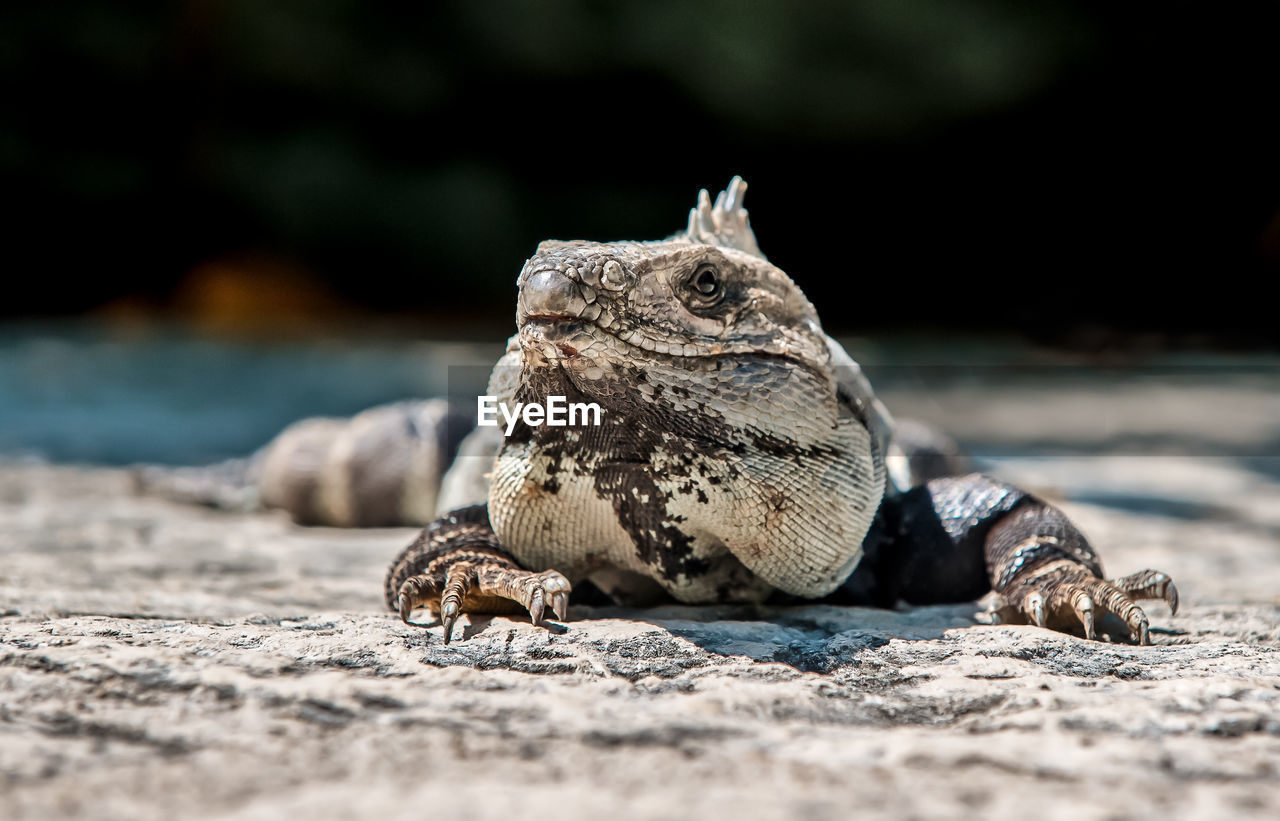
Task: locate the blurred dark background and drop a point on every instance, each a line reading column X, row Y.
column 1076, row 173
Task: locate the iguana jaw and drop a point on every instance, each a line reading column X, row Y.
column 550, row 339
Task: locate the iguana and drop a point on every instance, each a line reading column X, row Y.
column 741, row 456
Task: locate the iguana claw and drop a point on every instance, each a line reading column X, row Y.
column 448, row 617
column 536, row 606
column 1035, row 608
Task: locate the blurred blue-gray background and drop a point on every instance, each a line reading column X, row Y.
column 225, row 215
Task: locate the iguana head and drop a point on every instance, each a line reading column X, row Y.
column 705, row 292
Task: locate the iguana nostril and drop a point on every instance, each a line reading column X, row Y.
column 551, row 293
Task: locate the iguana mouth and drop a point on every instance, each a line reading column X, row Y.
column 553, row 323
column 546, row 327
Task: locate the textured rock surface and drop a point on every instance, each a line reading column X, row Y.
column 158, row 661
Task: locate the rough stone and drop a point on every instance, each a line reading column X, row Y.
column 159, row 661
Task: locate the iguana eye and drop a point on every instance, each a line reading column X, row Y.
column 706, row 280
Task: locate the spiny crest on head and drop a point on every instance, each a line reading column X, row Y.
column 725, row 223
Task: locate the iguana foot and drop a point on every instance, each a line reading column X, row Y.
column 1064, row 595
column 473, row 582
column 456, row 566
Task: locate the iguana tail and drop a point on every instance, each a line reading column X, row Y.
column 379, row 468
column 229, row 485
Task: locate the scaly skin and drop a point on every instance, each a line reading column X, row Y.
column 379, row 468
column 742, row 455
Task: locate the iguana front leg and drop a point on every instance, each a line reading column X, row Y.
column 456, row 565
column 954, row 539
column 1045, row 573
